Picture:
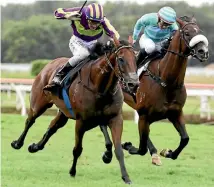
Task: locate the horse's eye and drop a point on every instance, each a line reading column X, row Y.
column 186, row 33
column 120, row 60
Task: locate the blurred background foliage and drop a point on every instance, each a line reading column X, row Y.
column 31, row 32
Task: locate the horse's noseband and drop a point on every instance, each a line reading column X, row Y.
column 119, row 73
column 182, row 37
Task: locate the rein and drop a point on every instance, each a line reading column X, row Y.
column 118, row 75
column 192, row 52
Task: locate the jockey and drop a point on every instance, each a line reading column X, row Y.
column 88, row 26
column 158, row 27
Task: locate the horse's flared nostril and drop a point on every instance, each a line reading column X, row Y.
column 133, row 86
column 201, row 51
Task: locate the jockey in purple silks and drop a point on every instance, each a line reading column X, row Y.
column 88, row 26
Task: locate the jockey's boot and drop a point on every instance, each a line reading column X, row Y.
column 141, row 56
column 57, row 80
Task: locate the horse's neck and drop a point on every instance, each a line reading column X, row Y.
column 103, row 76
column 173, row 67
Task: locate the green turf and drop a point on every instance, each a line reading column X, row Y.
column 20, row 75
column 49, row 168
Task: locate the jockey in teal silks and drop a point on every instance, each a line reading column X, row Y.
column 88, row 26
column 158, row 27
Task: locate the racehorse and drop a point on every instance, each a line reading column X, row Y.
column 162, row 93
column 94, row 97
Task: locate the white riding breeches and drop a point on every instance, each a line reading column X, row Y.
column 149, row 45
column 80, row 49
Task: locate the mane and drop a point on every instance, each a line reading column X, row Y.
column 124, row 42
column 100, row 48
column 188, row 19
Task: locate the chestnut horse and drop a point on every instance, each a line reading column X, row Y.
column 94, row 96
column 162, row 94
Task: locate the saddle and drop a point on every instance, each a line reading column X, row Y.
column 71, row 75
column 63, row 91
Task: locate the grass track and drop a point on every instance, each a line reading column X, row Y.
column 49, row 168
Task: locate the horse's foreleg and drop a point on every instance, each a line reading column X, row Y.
column 179, row 124
column 116, row 126
column 143, row 127
column 79, row 133
column 32, row 115
column 107, row 156
column 58, row 122
column 135, row 151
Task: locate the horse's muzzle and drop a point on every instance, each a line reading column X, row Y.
column 202, row 55
column 132, row 83
column 132, row 87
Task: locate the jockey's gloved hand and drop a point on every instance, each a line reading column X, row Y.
column 134, row 44
column 72, row 15
column 165, row 44
column 79, row 14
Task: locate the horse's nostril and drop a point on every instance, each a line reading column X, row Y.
column 131, row 85
column 201, row 51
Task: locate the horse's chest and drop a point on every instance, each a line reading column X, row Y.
column 168, row 102
column 95, row 107
column 173, row 102
column 172, row 105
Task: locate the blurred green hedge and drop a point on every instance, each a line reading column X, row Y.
column 38, row 65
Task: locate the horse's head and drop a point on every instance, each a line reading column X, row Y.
column 196, row 43
column 125, row 65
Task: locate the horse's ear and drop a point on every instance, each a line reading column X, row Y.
column 116, row 42
column 180, row 22
column 193, row 19
column 130, row 40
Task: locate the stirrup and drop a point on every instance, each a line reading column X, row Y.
column 52, row 85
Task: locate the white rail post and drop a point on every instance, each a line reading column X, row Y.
column 205, row 108
column 20, row 98
column 136, row 116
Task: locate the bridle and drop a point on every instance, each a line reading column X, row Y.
column 191, row 51
column 180, row 54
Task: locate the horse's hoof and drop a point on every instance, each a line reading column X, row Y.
column 126, row 145
column 107, row 157
column 72, row 172
column 163, row 152
column 156, row 160
column 167, row 153
column 33, row 148
column 142, row 152
column 133, row 150
column 16, row 145
column 127, row 180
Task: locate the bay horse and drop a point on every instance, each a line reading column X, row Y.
column 162, row 93
column 95, row 98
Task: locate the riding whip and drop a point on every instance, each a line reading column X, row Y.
column 82, row 6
